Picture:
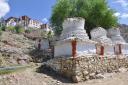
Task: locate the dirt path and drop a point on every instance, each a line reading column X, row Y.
column 30, row 77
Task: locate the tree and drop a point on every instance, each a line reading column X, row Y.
column 61, row 10
column 95, row 12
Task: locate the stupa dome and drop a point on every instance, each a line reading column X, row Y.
column 114, row 34
column 99, row 34
column 74, row 27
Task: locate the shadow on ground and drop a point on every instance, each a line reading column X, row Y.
column 39, row 56
column 50, row 72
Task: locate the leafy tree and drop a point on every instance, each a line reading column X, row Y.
column 95, row 12
column 61, row 10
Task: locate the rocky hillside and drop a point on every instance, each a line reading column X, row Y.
column 124, row 31
column 14, row 49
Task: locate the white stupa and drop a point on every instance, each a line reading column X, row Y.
column 121, row 47
column 114, row 34
column 73, row 29
column 99, row 35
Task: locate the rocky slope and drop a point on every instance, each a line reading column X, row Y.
column 14, row 49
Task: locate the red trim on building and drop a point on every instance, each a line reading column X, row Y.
column 102, row 50
column 74, row 43
column 102, row 53
column 120, row 51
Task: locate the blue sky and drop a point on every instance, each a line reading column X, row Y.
column 42, row 9
column 36, row 9
column 121, row 8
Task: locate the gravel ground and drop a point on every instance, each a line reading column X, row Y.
column 30, row 77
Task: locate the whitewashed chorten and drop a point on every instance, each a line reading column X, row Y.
column 105, row 45
column 74, row 39
column 121, row 47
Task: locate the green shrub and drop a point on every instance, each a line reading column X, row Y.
column 11, row 28
column 29, row 30
column 3, row 28
column 19, row 29
column 0, row 32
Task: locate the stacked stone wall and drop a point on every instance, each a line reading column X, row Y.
column 86, row 67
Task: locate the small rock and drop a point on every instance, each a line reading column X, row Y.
column 58, row 82
column 44, row 83
column 87, row 77
column 92, row 76
column 76, row 79
column 45, row 76
column 122, row 70
column 85, row 73
column 99, row 76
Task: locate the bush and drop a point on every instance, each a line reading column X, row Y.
column 3, row 28
column 11, row 28
column 29, row 30
column 19, row 29
column 0, row 32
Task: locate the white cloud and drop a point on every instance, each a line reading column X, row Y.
column 124, row 15
column 117, row 14
column 45, row 20
column 4, row 8
column 121, row 15
column 123, row 3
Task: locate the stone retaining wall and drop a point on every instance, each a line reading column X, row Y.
column 86, row 67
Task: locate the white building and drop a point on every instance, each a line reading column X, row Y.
column 34, row 24
column 42, row 44
column 46, row 27
column 12, row 21
column 24, row 21
column 27, row 22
